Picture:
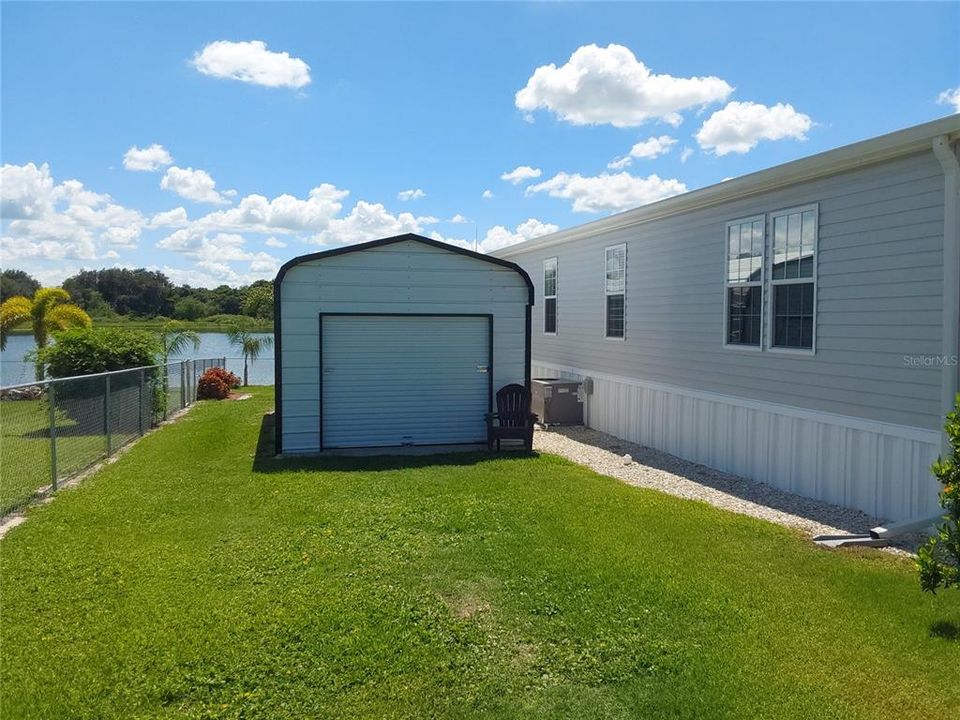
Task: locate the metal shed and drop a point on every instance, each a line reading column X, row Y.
column 397, row 342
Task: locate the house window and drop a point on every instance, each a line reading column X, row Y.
column 744, row 283
column 615, row 290
column 550, row 296
column 793, row 278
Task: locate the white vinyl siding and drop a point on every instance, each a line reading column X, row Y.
column 879, row 280
column 615, row 291
column 550, row 280
column 793, row 264
column 743, row 294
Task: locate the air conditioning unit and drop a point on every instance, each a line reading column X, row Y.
column 557, row 401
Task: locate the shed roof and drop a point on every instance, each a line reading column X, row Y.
column 360, row 247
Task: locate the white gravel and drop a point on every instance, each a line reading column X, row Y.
column 657, row 470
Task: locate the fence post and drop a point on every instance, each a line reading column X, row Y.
column 106, row 413
column 183, row 384
column 140, row 420
column 52, row 400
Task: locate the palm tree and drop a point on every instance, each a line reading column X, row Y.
column 174, row 339
column 49, row 311
column 251, row 345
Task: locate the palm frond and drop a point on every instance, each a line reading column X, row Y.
column 14, row 312
column 256, row 345
column 238, row 335
column 65, row 317
column 174, row 338
column 46, row 298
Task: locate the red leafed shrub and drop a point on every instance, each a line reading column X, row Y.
column 231, row 380
column 210, row 386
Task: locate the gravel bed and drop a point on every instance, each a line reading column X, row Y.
column 657, row 470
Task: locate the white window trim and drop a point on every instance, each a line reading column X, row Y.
column 727, row 284
column 770, row 347
column 556, row 291
column 606, row 329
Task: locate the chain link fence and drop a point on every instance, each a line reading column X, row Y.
column 54, row 429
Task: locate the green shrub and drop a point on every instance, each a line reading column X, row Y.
column 94, row 350
column 939, row 559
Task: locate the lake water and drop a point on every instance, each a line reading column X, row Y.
column 16, row 369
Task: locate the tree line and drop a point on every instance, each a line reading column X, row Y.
column 147, row 294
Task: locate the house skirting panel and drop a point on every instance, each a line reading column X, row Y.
column 879, row 468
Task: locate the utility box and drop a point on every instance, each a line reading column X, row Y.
column 557, row 401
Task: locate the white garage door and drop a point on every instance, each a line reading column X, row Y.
column 404, row 380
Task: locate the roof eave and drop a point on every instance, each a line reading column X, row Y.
column 849, row 157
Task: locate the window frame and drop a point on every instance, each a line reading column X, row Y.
column 727, row 284
column 813, row 279
column 556, row 290
column 606, row 294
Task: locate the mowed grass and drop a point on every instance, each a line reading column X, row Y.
column 25, row 456
column 183, row 581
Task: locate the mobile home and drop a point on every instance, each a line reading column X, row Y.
column 796, row 326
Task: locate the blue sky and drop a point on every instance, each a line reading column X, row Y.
column 343, row 107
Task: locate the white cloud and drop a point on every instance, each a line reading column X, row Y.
column 369, row 221
column 607, row 192
column 26, row 191
column 686, row 154
column 645, row 149
column 213, row 255
column 487, row 195
column 50, row 221
column 950, row 96
column 521, row 174
column 274, row 243
column 148, row 159
column 169, row 218
column 459, row 219
column 194, row 243
column 415, row 194
column 500, row 237
column 609, row 85
column 196, row 185
column 739, row 126
column 284, row 214
column 251, row 62
column 213, row 274
column 262, row 262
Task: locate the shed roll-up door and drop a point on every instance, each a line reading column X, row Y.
column 404, row 380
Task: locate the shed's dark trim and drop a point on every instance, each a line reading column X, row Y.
column 527, row 353
column 277, row 299
column 277, row 371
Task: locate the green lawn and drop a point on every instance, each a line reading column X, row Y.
column 189, row 579
column 25, row 448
